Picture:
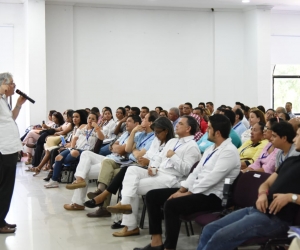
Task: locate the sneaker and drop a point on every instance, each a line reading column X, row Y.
column 51, row 184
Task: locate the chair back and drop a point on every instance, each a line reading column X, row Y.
column 246, row 188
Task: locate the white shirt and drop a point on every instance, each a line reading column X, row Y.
column 86, row 138
column 245, row 122
column 216, row 165
column 180, row 164
column 246, row 135
column 239, row 128
column 154, row 152
column 108, row 131
column 9, row 134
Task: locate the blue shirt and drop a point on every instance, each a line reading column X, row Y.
column 143, row 140
column 175, row 123
column 239, row 128
column 204, row 143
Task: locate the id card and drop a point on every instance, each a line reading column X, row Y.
column 86, row 147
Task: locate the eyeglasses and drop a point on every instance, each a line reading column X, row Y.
column 266, row 128
column 158, row 132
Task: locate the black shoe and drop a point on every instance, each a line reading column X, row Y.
column 49, row 176
column 117, row 225
column 148, row 247
column 92, row 203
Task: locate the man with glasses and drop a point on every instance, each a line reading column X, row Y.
column 10, row 144
column 188, row 110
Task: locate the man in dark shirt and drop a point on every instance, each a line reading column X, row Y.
column 277, row 205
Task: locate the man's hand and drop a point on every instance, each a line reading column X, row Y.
column 262, row 203
column 170, row 153
column 138, row 128
column 143, row 161
column 279, row 201
column 179, row 194
column 150, row 172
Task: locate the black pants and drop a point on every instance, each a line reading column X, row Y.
column 38, row 151
column 7, row 182
column 173, row 208
column 116, row 182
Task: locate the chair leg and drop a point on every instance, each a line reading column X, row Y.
column 143, row 213
column 191, row 227
column 187, row 229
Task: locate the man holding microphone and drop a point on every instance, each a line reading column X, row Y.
column 10, row 144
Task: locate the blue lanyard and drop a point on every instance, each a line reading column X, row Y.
column 237, row 125
column 145, row 140
column 208, row 157
column 174, row 149
column 265, row 155
column 88, row 135
column 125, row 139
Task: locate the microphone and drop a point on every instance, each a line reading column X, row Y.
column 25, row 96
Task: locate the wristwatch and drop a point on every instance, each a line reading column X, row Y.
column 294, row 198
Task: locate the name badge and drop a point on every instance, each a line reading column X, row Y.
column 86, row 147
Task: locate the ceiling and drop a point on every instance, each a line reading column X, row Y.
column 183, row 4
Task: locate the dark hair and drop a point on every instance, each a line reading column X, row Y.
column 197, row 108
column 82, row 116
column 275, row 120
column 270, row 109
column 228, row 107
column 261, row 126
column 145, row 108
column 85, row 113
column 51, row 112
column 210, row 103
column 259, row 114
column 160, row 108
column 135, row 118
column 202, row 103
column 241, row 104
column 70, row 113
column 230, row 115
column 246, row 109
column 289, row 103
column 95, row 110
column 136, row 110
column 109, row 110
column 220, row 108
column 240, row 113
column 223, row 106
column 93, row 113
column 59, row 117
column 220, row 123
column 122, row 109
column 191, row 121
column 189, row 104
column 261, row 108
column 284, row 128
column 127, row 107
column 152, row 116
column 287, row 116
column 165, row 124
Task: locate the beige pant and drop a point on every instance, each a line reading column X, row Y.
column 295, row 244
column 107, row 171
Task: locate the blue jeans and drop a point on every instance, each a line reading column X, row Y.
column 67, row 159
column 238, row 227
column 105, row 150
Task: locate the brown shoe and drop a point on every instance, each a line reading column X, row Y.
column 73, row 207
column 92, row 195
column 7, row 230
column 76, row 185
column 124, row 232
column 100, row 212
column 11, row 225
column 120, row 209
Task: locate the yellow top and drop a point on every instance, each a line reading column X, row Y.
column 250, row 153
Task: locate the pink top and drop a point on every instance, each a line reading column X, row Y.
column 266, row 160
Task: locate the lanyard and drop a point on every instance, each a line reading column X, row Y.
column 265, row 155
column 210, row 155
column 145, row 140
column 249, row 146
column 88, row 135
column 237, row 125
column 174, row 149
column 125, row 139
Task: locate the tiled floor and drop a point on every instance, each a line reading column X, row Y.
column 44, row 224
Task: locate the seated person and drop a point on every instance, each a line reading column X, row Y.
column 32, row 137
column 203, row 119
column 266, row 162
column 77, row 119
column 85, row 139
column 238, row 125
column 163, row 131
column 275, row 209
column 204, row 142
column 163, row 113
column 172, row 166
column 173, row 116
column 90, row 162
column 201, row 191
column 107, row 125
column 188, row 110
column 269, row 114
column 284, row 116
column 144, row 111
column 255, row 116
column 251, row 149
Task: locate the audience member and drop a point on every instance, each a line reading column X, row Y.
column 284, row 116
column 262, row 108
column 201, row 105
column 173, row 116
column 144, row 112
column 210, row 107
column 163, row 113
column 269, row 114
column 238, row 125
column 158, row 109
column 288, row 107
